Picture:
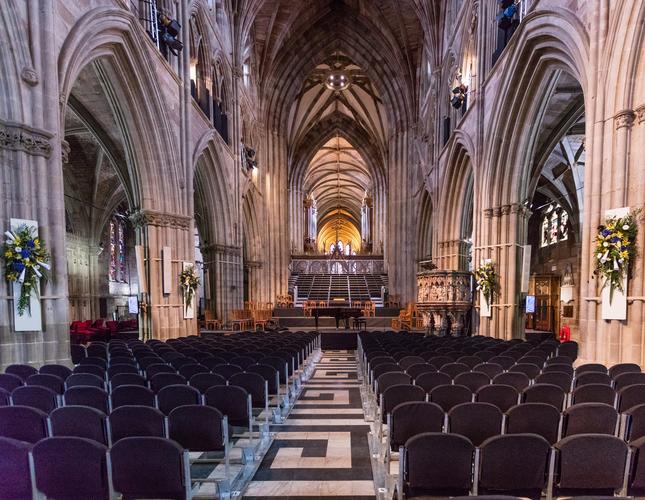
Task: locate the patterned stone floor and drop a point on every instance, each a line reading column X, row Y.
column 321, row 450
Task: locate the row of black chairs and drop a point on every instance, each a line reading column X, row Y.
column 523, row 465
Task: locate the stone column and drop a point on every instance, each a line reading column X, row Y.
column 224, row 263
column 162, row 315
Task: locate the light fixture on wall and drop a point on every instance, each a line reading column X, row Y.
column 248, row 157
column 168, row 33
column 458, row 93
column 508, row 10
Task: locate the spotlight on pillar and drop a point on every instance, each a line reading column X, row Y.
column 458, row 96
column 168, row 33
column 508, row 9
column 249, row 158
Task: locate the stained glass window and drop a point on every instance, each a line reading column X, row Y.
column 554, row 226
column 117, row 271
column 113, row 251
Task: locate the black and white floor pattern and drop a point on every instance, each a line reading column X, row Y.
column 321, row 450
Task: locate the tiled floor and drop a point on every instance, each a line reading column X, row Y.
column 321, row 450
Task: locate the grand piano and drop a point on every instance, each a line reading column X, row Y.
column 337, row 313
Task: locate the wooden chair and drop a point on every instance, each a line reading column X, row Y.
column 210, row 322
column 241, row 318
column 369, row 309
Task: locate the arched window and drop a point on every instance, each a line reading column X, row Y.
column 117, row 271
column 554, row 226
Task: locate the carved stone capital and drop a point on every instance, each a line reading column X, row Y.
column 254, row 264
column 497, row 211
column 20, row 137
column 29, row 76
column 506, row 209
column 640, row 114
column 488, row 213
column 160, row 219
column 624, row 118
column 221, row 249
column 65, row 150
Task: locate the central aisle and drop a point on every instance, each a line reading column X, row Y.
column 321, row 450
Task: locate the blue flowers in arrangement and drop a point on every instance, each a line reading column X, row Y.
column 615, row 249
column 26, row 262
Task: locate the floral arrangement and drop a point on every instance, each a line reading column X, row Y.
column 486, row 279
column 615, row 249
column 26, row 260
column 189, row 281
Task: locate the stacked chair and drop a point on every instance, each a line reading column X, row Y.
column 132, row 417
column 483, row 416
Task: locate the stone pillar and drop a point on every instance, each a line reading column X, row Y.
column 501, row 239
column 162, row 315
column 225, row 273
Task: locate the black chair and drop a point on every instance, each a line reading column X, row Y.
column 23, row 423
column 132, row 421
column 594, row 393
column 630, row 396
column 559, row 360
column 269, row 374
column 198, row 428
column 187, row 371
column 591, row 368
column 502, row 396
column 173, row 396
column 514, row 464
column 621, row 368
column 233, row 402
column 412, row 418
column 94, row 360
column 473, row 380
column 476, row 421
column 203, row 381
column 52, row 382
column 150, row 467
column 535, row 418
column 561, row 379
column 397, row 394
column 559, row 367
column 544, row 393
column 9, row 382
column 454, row 369
column 389, row 379
column 471, row 361
column 127, row 379
column 428, row 381
column 627, row 379
column 71, row 467
column 59, row 371
column 437, row 464
column 407, row 361
column 35, row 396
column 636, row 480
column 15, row 480
column 87, row 396
column 504, row 361
column 161, row 380
column 518, row 380
column 120, row 369
column 528, row 369
column 635, row 423
column 589, row 464
column 586, row 378
column 89, row 379
column 91, row 369
column 157, row 368
column 439, row 361
column 21, row 371
column 227, row 371
column 79, row 421
column 449, row 396
column 5, row 398
column 589, row 418
column 255, row 385
column 129, row 395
